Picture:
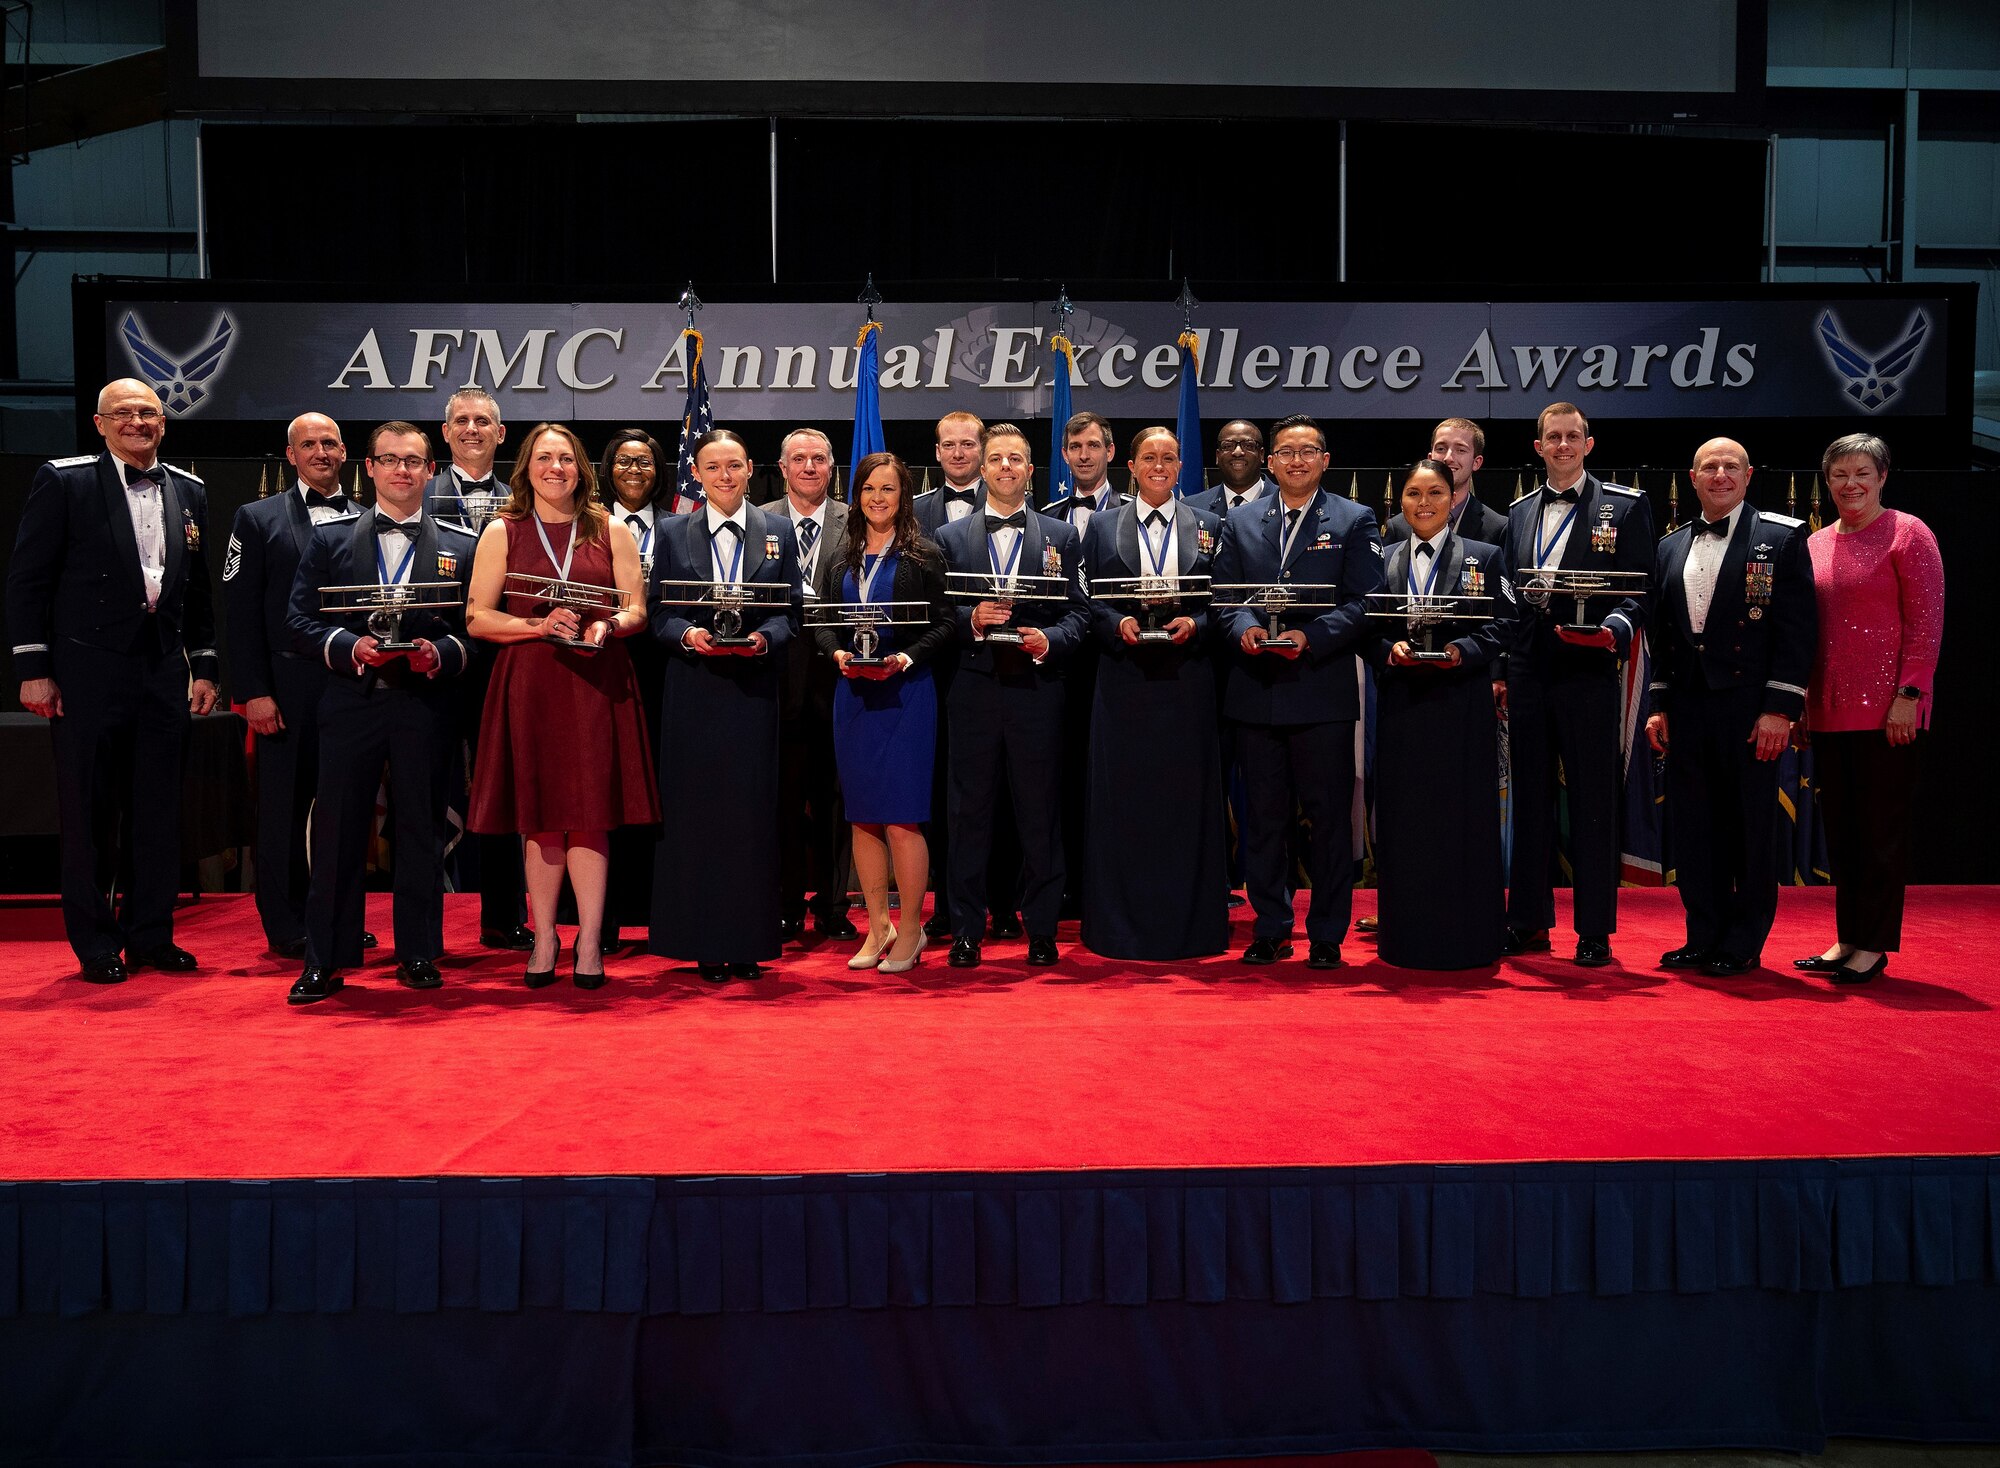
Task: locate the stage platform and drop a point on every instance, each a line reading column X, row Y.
column 1099, row 1212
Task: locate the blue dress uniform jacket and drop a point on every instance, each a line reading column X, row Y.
column 1107, row 499
column 1563, row 704
column 1006, row 712
column 1157, row 886
column 1753, row 656
column 1336, row 546
column 716, row 870
column 266, row 545
column 1216, row 501
column 76, row 606
column 369, row 718
column 1292, row 718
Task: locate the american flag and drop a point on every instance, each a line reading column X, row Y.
column 696, row 419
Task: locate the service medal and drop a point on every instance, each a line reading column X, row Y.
column 1051, row 561
column 1756, row 614
column 190, row 531
column 770, row 547
column 447, row 566
column 1604, row 537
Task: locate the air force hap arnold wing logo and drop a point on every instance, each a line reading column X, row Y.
column 182, row 384
column 1872, row 383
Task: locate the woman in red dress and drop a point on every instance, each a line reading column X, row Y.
column 562, row 740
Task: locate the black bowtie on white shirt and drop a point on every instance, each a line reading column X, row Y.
column 1701, row 569
column 958, row 503
column 1426, row 566
column 1083, row 506
column 1548, row 552
column 321, row 508
column 146, row 501
column 397, row 550
column 1156, row 538
column 640, row 523
column 725, row 559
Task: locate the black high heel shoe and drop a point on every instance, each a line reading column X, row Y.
column 541, row 978
column 586, row 980
column 1818, row 964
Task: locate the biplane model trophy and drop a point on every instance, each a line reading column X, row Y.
column 1008, row 591
column 1153, row 601
column 478, row 508
column 386, row 606
column 1277, row 602
column 737, row 607
column 582, row 597
column 1540, row 588
column 864, row 621
column 1422, row 615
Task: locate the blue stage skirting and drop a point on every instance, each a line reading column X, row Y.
column 1002, row 1317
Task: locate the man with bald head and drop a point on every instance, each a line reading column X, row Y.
column 280, row 691
column 1733, row 639
column 108, row 598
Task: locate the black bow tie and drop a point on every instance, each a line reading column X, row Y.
column 1018, row 520
column 1712, row 527
column 958, row 496
column 385, row 526
column 1567, row 496
column 1084, row 502
column 316, row 501
column 157, row 474
column 1424, row 549
column 732, row 527
column 476, row 486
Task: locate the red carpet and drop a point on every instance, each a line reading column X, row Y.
column 1089, row 1065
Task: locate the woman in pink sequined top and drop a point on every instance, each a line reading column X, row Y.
column 1880, row 584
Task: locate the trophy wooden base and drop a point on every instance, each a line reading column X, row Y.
column 1004, row 637
column 881, row 662
column 577, row 644
column 1418, row 656
column 1580, row 629
column 732, row 643
column 1155, row 635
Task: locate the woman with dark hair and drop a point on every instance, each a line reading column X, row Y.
column 1155, row 883
column 1879, row 581
column 562, row 740
column 1437, row 818
column 632, row 483
column 885, row 715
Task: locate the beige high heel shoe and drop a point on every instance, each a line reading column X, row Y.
column 894, row 966
column 865, row 959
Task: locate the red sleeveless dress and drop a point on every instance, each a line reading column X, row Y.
column 562, row 737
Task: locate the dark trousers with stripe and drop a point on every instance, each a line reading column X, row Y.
column 1722, row 817
column 1310, row 767
column 1573, row 719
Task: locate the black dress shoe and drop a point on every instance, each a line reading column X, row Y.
column 1688, row 957
column 165, row 957
column 1041, row 951
column 314, row 985
column 1236, row 899
column 791, row 929
column 369, row 940
column 109, row 970
column 517, row 939
column 715, row 973
column 1323, row 954
column 1592, row 952
column 419, row 973
column 1818, row 965
column 834, row 924
column 291, row 948
column 1846, row 975
column 939, row 926
column 1267, row 950
column 1728, row 965
column 1006, row 925
column 1516, row 941
column 746, row 971
column 964, row 953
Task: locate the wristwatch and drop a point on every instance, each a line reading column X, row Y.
column 1910, row 690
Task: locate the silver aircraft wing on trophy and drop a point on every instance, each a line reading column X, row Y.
column 864, row 621
column 1005, row 590
column 550, row 592
column 1152, row 600
column 1423, row 616
column 1277, row 601
column 386, row 606
column 1540, row 588
column 729, row 601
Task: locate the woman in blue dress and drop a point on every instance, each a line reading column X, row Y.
column 885, row 714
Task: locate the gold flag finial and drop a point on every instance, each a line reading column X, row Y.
column 263, row 479
column 1813, row 520
column 1673, row 503
column 1354, row 485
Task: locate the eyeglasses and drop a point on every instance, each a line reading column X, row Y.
column 412, row 462
column 1287, row 454
column 623, row 462
column 135, row 415
column 1240, row 443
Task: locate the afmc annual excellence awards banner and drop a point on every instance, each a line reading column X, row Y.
column 1779, row 353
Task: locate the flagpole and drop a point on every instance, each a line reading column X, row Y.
column 1062, row 480
column 868, row 437
column 697, row 414
column 1187, row 422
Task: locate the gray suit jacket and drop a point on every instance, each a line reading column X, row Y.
column 808, row 675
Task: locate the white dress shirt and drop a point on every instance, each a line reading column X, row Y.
column 1231, row 499
column 1149, row 539
column 1426, row 572
column 640, row 523
column 148, row 506
column 1550, row 553
column 1701, row 568
column 1083, row 506
column 958, row 509
column 321, row 508
column 809, row 560
column 719, row 553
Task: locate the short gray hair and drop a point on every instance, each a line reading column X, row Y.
column 785, row 443
column 1848, row 445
